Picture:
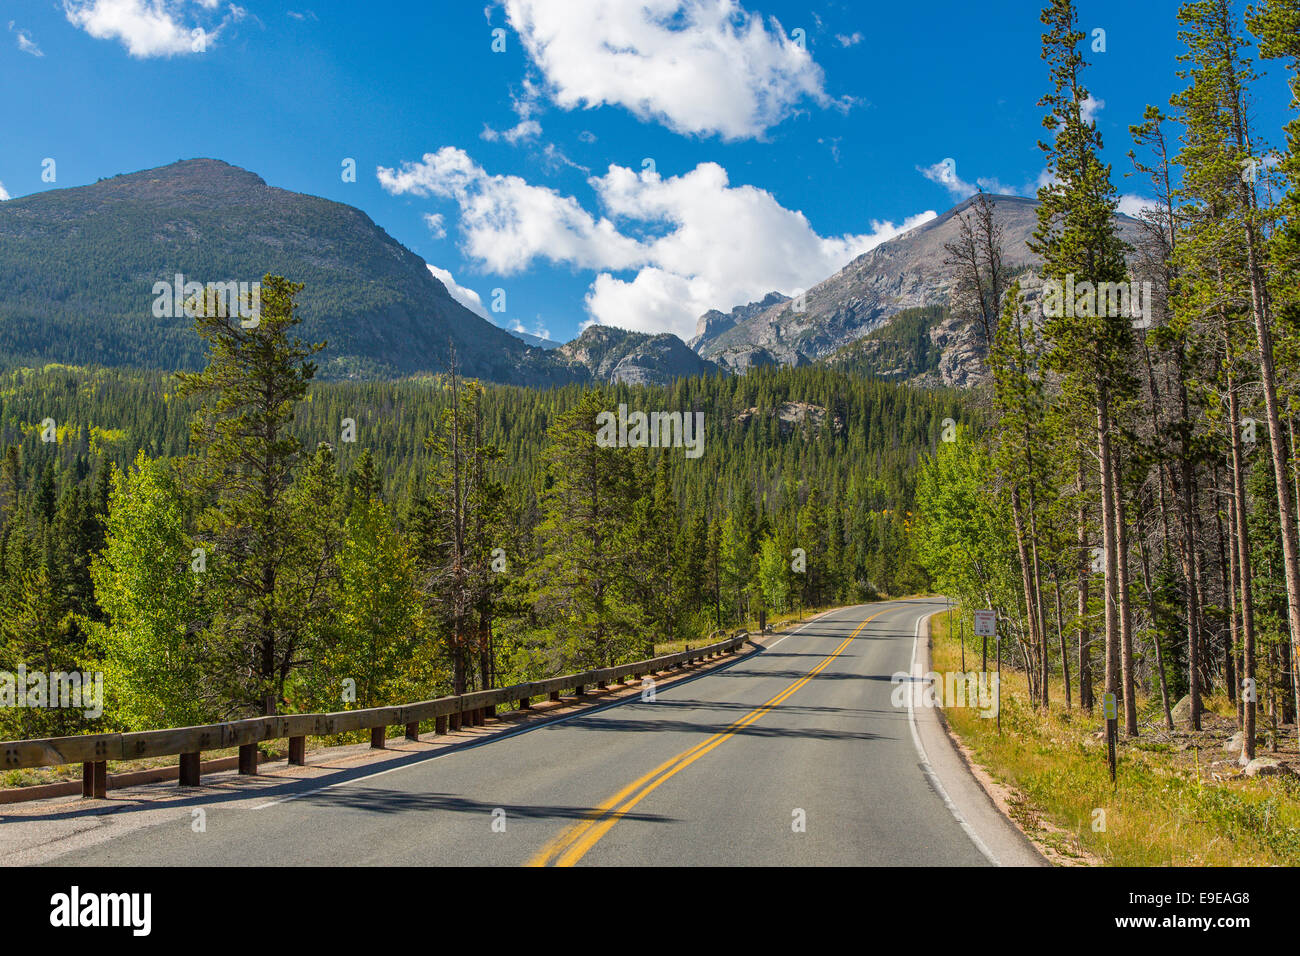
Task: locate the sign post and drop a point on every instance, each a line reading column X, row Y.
column 1111, row 713
column 986, row 625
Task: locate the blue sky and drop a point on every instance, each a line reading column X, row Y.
column 523, row 174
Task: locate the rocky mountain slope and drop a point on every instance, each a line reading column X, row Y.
column 612, row 356
column 904, row 273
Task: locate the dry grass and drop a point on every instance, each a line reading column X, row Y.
column 1178, row 799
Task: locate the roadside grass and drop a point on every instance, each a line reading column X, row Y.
column 1174, row 802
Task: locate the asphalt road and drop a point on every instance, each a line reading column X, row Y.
column 792, row 756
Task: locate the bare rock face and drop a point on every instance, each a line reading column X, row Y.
column 961, row 354
column 713, row 323
column 612, row 356
column 793, row 415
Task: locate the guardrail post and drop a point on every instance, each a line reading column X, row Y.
column 413, row 730
column 189, row 770
column 248, row 760
column 440, row 724
column 579, row 691
column 601, row 685
column 525, row 703
column 455, row 721
column 377, row 735
column 555, row 695
column 479, row 716
column 298, row 751
column 94, row 780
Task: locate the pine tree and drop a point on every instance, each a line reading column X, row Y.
column 255, row 378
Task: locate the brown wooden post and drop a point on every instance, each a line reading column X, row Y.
column 248, row 760
column 440, row 724
column 94, row 780
column 525, row 703
column 413, row 730
column 377, row 735
column 298, row 751
column 455, row 721
column 478, row 717
column 579, row 691
column 189, row 770
column 555, row 695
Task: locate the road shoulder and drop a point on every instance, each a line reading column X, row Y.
column 971, row 794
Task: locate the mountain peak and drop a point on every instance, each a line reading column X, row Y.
column 185, row 178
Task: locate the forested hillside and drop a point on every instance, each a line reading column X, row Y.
column 78, row 268
column 124, row 540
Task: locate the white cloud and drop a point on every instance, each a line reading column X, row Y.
column 465, row 296
column 508, row 223
column 523, row 130
column 697, row 66
column 25, row 41
column 850, row 40
column 1132, row 205
column 944, row 173
column 1090, row 107
column 3, row 193
column 436, row 225
column 151, row 28
column 539, row 330
column 554, row 159
column 695, row 241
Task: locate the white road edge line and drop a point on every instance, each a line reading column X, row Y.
column 925, row 760
column 497, row 737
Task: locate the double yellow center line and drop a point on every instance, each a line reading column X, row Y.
column 571, row 845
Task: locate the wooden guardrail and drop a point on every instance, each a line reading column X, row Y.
column 94, row 751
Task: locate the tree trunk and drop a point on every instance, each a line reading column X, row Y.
column 1125, row 612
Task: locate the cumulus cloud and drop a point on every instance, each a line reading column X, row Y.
column 846, row 40
column 694, row 241
column 465, row 296
column 506, row 222
column 1132, row 205
column 153, row 28
column 4, row 194
column 702, row 67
